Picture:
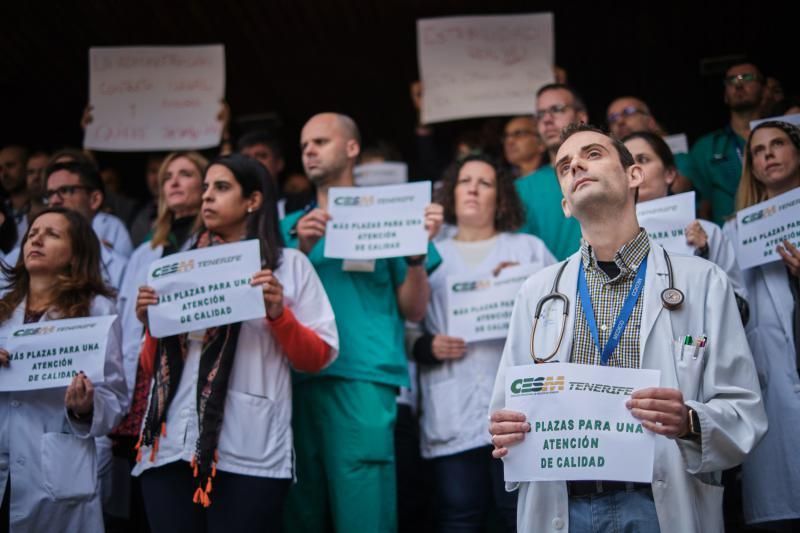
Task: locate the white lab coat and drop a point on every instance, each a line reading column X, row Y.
column 456, row 393
column 721, row 385
column 52, row 459
column 771, row 473
column 132, row 329
column 722, row 253
column 112, row 231
column 256, row 434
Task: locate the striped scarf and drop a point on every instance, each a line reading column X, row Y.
column 216, row 362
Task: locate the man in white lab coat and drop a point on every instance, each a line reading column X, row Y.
column 707, row 413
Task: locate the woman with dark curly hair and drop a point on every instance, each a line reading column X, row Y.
column 456, row 378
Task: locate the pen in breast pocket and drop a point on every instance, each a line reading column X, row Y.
column 686, row 341
column 698, row 343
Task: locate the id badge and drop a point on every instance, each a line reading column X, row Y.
column 358, row 265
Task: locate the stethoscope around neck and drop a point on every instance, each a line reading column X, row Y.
column 671, row 298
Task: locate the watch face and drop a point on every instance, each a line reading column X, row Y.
column 694, row 422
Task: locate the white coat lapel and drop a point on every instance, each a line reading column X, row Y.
column 569, row 287
column 777, row 282
column 655, row 281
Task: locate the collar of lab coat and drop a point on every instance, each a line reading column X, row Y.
column 655, row 281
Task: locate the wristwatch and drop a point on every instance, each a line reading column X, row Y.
column 694, row 426
column 415, row 261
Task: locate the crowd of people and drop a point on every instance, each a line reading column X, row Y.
column 349, row 407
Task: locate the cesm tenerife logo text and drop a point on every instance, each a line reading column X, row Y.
column 363, row 201
column 538, row 385
column 173, row 268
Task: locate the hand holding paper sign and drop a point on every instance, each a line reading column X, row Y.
column 273, row 292
column 661, row 410
column 147, row 296
column 434, row 218
column 311, row 228
column 3, row 357
column 791, row 257
column 696, row 236
column 445, row 347
column 79, row 397
column 507, row 428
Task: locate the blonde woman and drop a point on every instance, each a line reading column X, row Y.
column 771, row 473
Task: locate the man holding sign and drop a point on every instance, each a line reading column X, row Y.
column 344, row 417
column 633, row 299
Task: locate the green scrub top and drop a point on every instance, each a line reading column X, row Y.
column 371, row 328
column 716, row 170
column 541, row 197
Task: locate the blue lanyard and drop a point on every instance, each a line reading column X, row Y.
column 622, row 318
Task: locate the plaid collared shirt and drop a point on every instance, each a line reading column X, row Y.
column 608, row 295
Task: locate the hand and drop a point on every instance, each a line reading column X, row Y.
column 507, row 428
column 87, row 117
column 661, row 410
column 146, row 297
column 4, row 358
column 503, row 264
column 434, row 217
column 311, row 228
column 272, row 290
column 80, row 395
column 696, row 236
column 791, row 257
column 444, row 347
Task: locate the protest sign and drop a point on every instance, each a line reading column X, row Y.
column 580, row 427
column 377, row 222
column 205, row 288
column 762, row 227
column 678, row 143
column 479, row 307
column 479, row 66
column 665, row 220
column 49, row 354
column 388, row 173
column 155, row 98
column 793, row 119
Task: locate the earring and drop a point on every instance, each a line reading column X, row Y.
column 249, row 210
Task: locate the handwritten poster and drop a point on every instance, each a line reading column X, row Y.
column 155, row 98
column 480, row 66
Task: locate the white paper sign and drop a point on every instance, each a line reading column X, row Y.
column 791, row 119
column 46, row 355
column 762, row 227
column 155, row 98
column 580, row 427
column 486, row 65
column 677, row 143
column 665, row 220
column 377, row 222
column 479, row 307
column 372, row 174
column 204, row 288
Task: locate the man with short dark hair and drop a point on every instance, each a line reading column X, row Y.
column 557, row 106
column 522, row 146
column 13, row 159
column 265, row 148
column 78, row 187
column 629, row 114
column 717, row 156
column 707, row 413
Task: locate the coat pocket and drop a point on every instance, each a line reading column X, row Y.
column 689, row 365
column 441, row 416
column 253, row 428
column 69, row 466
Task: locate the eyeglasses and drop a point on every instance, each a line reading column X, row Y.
column 741, row 79
column 629, row 111
column 516, row 134
column 61, row 192
column 558, row 109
